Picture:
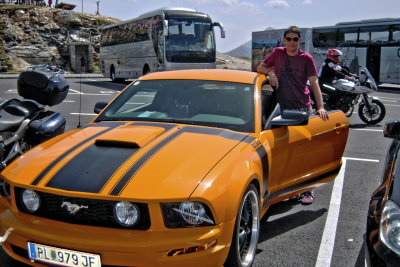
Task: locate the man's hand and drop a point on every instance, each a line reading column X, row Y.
column 323, row 114
column 273, row 80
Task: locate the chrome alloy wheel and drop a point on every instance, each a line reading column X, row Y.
column 246, row 231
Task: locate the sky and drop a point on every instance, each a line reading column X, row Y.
column 241, row 17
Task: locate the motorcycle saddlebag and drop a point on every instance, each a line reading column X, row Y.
column 45, row 87
column 48, row 125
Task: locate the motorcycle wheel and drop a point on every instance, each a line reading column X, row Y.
column 378, row 112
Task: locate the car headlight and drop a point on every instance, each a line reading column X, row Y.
column 186, row 214
column 390, row 226
column 126, row 213
column 4, row 189
column 30, row 200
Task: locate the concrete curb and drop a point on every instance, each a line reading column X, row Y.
column 68, row 75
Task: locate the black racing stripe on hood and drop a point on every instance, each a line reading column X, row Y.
column 112, row 125
column 90, row 170
column 149, row 154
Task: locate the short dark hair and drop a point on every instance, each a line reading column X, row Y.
column 293, row 29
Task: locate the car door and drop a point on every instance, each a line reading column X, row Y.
column 304, row 154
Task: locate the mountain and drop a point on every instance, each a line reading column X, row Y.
column 242, row 51
column 245, row 49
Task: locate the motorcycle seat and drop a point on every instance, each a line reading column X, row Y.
column 14, row 111
column 9, row 121
column 17, row 110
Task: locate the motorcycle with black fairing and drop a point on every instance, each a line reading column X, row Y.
column 345, row 94
column 26, row 122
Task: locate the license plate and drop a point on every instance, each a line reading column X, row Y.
column 62, row 257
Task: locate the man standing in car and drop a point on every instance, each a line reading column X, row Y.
column 288, row 69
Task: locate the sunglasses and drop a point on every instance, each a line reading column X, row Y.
column 295, row 39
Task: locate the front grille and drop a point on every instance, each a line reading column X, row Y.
column 99, row 212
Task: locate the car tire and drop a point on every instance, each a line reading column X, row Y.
column 245, row 234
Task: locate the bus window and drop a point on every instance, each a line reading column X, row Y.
column 374, row 34
column 347, row 36
column 395, row 35
column 324, row 37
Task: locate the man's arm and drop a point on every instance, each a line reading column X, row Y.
column 269, row 71
column 318, row 97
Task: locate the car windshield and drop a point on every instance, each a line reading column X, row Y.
column 200, row 102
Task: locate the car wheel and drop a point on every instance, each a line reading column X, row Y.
column 246, row 231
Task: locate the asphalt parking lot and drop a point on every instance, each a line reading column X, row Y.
column 330, row 232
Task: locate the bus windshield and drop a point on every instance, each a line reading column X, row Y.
column 190, row 40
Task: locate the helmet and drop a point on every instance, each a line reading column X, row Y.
column 334, row 54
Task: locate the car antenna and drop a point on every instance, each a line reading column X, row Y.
column 80, row 102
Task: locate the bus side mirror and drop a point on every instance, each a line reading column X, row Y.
column 218, row 24
column 165, row 28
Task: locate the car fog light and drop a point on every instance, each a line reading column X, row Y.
column 194, row 213
column 126, row 213
column 31, row 200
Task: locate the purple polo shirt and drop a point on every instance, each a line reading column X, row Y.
column 292, row 73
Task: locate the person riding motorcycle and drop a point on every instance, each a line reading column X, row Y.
column 330, row 69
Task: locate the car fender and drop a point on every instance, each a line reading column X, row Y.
column 224, row 186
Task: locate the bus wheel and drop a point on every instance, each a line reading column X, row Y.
column 146, row 69
column 112, row 74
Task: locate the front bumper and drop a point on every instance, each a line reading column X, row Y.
column 158, row 246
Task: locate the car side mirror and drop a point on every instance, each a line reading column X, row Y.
column 99, row 107
column 290, row 118
column 392, row 129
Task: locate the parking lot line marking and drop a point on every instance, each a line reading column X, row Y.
column 76, row 92
column 391, row 105
column 370, row 130
column 328, row 237
column 360, row 159
column 84, row 114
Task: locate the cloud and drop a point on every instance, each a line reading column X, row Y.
column 307, row 2
column 278, row 4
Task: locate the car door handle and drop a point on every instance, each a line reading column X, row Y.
column 339, row 127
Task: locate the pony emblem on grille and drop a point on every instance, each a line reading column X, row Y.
column 72, row 208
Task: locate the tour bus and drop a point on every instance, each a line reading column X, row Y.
column 163, row 39
column 373, row 43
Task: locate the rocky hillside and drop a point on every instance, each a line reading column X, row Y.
column 35, row 35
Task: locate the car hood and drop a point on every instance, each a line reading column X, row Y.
column 135, row 160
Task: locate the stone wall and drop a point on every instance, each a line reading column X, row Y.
column 38, row 35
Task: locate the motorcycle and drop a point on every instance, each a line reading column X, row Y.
column 345, row 94
column 26, row 122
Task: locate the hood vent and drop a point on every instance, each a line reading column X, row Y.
column 116, row 143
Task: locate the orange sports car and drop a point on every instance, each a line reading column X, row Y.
column 176, row 171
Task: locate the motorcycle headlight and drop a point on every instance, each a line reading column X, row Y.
column 186, row 214
column 390, row 226
column 30, row 200
column 126, row 213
